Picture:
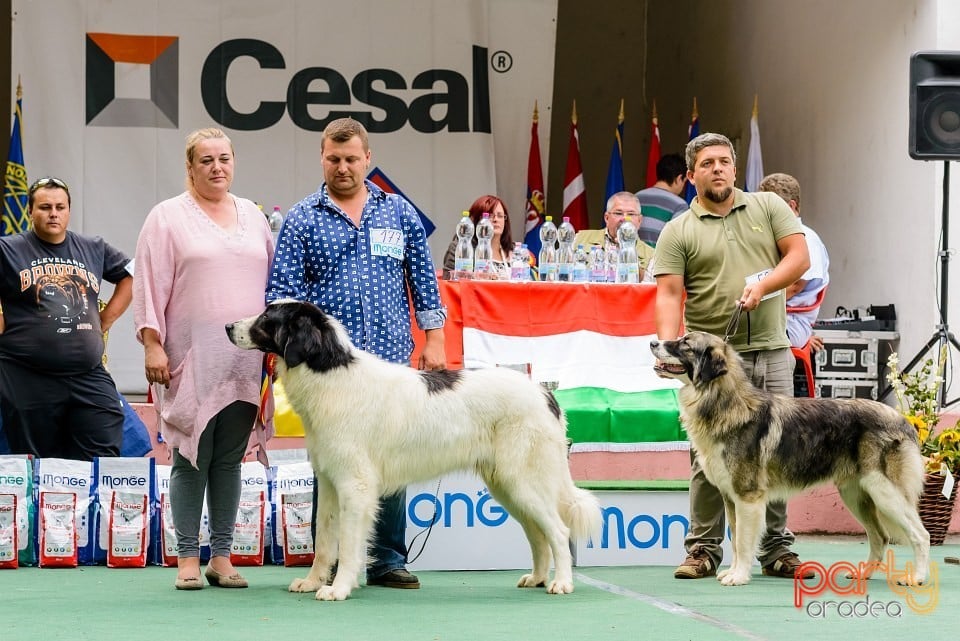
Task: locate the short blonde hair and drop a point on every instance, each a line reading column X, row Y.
column 194, row 138
column 343, row 129
column 783, row 185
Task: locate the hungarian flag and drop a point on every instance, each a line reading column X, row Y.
column 694, row 130
column 594, row 344
column 536, row 202
column 574, row 190
column 615, row 182
column 15, row 218
column 653, row 156
column 754, row 173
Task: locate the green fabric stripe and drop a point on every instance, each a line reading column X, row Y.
column 600, row 415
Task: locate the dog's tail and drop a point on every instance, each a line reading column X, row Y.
column 581, row 513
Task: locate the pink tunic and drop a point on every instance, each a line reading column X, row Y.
column 191, row 278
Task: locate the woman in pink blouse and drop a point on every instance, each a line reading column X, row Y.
column 202, row 261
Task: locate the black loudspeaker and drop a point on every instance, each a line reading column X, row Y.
column 935, row 105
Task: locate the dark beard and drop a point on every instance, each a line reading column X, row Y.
column 718, row 196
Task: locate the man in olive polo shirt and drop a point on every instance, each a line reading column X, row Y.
column 730, row 247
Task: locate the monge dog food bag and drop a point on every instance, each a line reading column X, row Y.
column 58, row 530
column 255, row 486
column 165, row 534
column 247, row 548
column 63, row 475
column 297, row 518
column 9, row 544
column 116, row 474
column 16, row 477
column 127, row 530
column 284, row 479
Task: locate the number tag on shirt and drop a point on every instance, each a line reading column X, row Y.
column 756, row 278
column 386, row 242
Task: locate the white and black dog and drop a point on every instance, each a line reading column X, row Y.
column 373, row 427
column 755, row 447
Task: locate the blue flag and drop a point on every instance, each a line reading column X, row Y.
column 15, row 218
column 690, row 191
column 615, row 182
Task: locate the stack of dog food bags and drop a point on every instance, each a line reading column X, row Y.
column 63, row 516
column 16, row 479
column 125, row 491
column 291, row 499
column 251, row 525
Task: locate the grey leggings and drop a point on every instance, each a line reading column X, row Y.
column 219, row 453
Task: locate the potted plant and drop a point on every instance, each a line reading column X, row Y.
column 919, row 402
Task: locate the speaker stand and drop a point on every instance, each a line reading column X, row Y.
column 942, row 338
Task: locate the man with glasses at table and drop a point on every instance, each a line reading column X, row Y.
column 619, row 206
column 56, row 397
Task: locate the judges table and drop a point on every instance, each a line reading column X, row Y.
column 591, row 339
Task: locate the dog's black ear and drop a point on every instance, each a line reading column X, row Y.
column 302, row 339
column 713, row 364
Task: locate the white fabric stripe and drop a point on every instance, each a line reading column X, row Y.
column 573, row 190
column 575, row 359
column 665, row 446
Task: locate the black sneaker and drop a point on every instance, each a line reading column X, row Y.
column 398, row 578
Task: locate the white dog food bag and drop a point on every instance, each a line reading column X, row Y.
column 118, row 474
column 247, row 548
column 297, row 519
column 168, row 534
column 9, row 544
column 16, row 477
column 76, row 477
column 295, row 478
column 129, row 525
column 59, row 529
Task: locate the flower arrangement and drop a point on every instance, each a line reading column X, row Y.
column 918, row 400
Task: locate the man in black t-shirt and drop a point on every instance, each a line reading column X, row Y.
column 56, row 397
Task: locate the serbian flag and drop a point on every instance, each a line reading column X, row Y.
column 754, row 173
column 536, row 202
column 615, row 182
column 574, row 189
column 594, row 344
column 15, row 218
column 653, row 156
column 692, row 132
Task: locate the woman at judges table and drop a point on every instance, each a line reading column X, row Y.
column 502, row 240
column 203, row 258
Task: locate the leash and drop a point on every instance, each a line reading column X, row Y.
column 425, row 532
column 735, row 323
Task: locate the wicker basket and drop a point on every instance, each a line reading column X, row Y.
column 935, row 509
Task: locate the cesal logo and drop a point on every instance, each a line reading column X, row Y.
column 154, row 60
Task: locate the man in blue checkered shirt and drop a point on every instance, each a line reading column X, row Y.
column 353, row 250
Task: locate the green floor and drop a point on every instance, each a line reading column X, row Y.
column 635, row 603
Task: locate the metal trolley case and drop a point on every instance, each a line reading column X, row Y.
column 853, row 354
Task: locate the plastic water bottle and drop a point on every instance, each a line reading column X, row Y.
column 581, row 271
column 519, row 267
column 598, row 272
column 611, row 257
column 463, row 256
column 628, row 268
column 275, row 219
column 527, row 275
column 565, row 234
column 483, row 256
column 548, row 250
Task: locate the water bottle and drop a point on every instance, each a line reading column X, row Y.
column 483, row 256
column 519, row 268
column 275, row 219
column 581, row 271
column 610, row 259
column 598, row 273
column 463, row 256
column 628, row 269
column 548, row 250
column 527, row 269
column 565, row 234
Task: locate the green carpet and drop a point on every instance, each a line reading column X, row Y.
column 630, row 603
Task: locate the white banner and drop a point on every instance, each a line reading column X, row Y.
column 111, row 89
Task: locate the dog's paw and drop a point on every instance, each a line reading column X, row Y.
column 560, row 587
column 731, row 577
column 303, row 585
column 531, row 581
column 332, row 593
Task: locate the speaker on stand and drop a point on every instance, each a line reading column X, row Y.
column 935, row 135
